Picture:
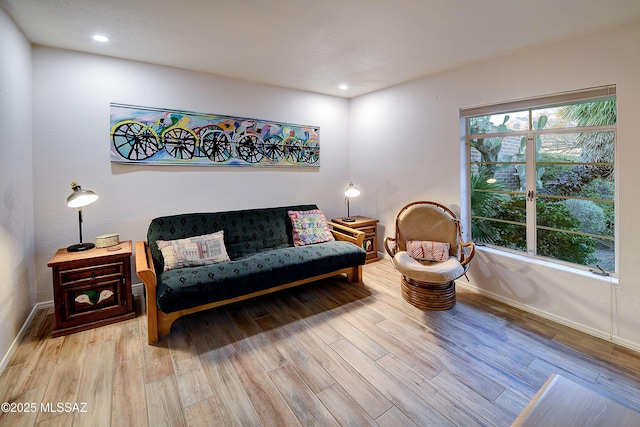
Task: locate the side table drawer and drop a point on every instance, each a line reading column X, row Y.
column 91, row 274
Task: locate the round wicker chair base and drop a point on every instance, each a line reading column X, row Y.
column 429, row 296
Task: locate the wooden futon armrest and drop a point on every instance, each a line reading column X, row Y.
column 348, row 234
column 147, row 273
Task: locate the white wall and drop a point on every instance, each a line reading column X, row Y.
column 72, row 92
column 405, row 145
column 16, row 184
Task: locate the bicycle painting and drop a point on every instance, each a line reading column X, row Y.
column 145, row 135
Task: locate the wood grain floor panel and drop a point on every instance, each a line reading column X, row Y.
column 399, row 342
column 36, row 371
column 311, row 372
column 454, row 410
column 64, row 382
column 361, row 340
column 303, row 402
column 269, row 404
column 193, row 383
column 96, row 386
column 40, row 328
column 259, row 342
column 340, row 404
column 229, row 394
column 394, row 418
column 129, row 406
column 163, row 403
column 19, row 415
column 398, row 393
column 326, row 353
column 202, row 413
column 495, row 414
column 362, row 392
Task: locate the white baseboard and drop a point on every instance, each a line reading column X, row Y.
column 549, row 316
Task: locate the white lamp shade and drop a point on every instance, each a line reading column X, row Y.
column 80, row 197
column 351, row 191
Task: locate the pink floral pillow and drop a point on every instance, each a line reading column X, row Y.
column 428, row 251
column 309, row 227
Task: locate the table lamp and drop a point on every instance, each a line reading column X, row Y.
column 78, row 199
column 350, row 192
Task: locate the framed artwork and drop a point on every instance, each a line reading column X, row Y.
column 156, row 136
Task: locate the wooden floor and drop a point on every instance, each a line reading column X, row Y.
column 329, row 353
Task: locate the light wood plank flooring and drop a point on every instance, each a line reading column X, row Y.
column 329, row 353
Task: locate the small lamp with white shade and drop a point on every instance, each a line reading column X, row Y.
column 78, row 199
column 349, row 192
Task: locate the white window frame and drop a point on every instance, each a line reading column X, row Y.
column 526, row 104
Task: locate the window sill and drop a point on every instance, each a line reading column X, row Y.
column 610, row 280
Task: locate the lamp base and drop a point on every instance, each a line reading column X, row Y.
column 80, row 247
column 348, row 219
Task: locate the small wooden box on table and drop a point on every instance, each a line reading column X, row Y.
column 91, row 288
column 370, row 228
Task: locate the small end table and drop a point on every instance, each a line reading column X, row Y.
column 91, row 288
column 370, row 227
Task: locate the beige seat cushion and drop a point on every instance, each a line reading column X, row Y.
column 425, row 271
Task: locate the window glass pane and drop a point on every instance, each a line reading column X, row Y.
column 568, row 247
column 605, row 255
column 498, row 149
column 514, row 121
column 572, row 164
column 583, row 221
column 510, row 209
column 510, row 236
column 585, row 216
column 549, row 118
column 501, row 159
column 590, row 113
column 601, row 193
column 582, row 181
column 584, row 147
column 514, row 237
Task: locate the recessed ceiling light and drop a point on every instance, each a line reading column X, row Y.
column 100, row 38
column 343, row 87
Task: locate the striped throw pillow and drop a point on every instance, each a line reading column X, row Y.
column 428, row 251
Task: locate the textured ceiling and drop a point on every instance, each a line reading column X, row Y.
column 314, row 45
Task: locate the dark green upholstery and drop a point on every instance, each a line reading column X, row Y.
column 260, row 245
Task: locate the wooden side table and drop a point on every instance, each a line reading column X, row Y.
column 370, row 228
column 91, row 288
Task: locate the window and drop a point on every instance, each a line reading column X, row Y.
column 542, row 176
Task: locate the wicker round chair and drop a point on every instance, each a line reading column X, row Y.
column 419, row 252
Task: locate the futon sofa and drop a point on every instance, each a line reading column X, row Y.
column 262, row 252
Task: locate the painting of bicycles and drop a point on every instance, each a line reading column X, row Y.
column 154, row 136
